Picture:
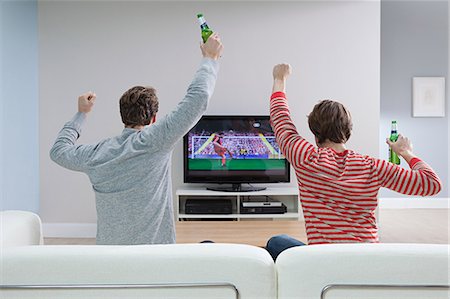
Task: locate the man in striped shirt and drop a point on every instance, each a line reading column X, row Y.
column 338, row 187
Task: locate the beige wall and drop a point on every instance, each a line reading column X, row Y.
column 334, row 48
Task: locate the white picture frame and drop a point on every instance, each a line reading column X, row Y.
column 428, row 96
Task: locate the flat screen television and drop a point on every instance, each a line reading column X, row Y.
column 236, row 150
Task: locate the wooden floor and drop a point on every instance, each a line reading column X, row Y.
column 251, row 232
column 241, row 232
column 430, row 226
column 396, row 226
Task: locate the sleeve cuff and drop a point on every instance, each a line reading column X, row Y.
column 77, row 121
column 414, row 161
column 213, row 62
column 278, row 94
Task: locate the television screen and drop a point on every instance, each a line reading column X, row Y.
column 233, row 149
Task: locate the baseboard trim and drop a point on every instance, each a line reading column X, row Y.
column 414, row 203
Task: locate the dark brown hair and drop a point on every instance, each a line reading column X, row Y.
column 330, row 120
column 138, row 105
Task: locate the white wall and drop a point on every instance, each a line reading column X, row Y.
column 107, row 47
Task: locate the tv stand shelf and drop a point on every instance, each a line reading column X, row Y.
column 287, row 195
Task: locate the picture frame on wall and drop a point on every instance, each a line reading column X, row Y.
column 428, row 96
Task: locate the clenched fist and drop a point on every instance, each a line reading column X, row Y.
column 281, row 71
column 86, row 102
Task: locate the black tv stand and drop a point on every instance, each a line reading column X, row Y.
column 236, row 188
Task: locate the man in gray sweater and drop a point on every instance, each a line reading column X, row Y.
column 130, row 173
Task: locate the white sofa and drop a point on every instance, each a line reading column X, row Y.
column 19, row 228
column 215, row 270
column 364, row 271
column 146, row 271
column 29, row 270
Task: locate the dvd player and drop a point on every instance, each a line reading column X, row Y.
column 261, row 201
column 262, row 205
column 264, row 210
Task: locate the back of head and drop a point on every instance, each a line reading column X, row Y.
column 331, row 121
column 138, row 105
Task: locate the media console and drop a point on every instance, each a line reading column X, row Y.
column 288, row 196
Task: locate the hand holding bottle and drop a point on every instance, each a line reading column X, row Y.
column 402, row 147
column 213, row 47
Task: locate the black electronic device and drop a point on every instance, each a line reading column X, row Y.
column 234, row 150
column 264, row 209
column 262, row 205
column 208, row 206
column 260, row 201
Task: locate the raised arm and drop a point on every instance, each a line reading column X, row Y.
column 293, row 146
column 420, row 180
column 64, row 151
column 178, row 122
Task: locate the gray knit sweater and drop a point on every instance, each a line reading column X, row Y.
column 130, row 173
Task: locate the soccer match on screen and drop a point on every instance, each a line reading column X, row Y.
column 233, row 145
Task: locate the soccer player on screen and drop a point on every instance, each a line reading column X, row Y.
column 220, row 149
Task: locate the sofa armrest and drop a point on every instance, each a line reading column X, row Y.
column 20, row 228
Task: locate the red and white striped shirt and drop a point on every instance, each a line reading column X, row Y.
column 338, row 191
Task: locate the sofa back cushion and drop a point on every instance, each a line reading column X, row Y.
column 178, row 270
column 345, row 270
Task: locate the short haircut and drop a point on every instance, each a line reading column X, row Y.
column 330, row 120
column 138, row 105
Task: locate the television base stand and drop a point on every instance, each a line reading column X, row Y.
column 236, row 188
column 286, row 194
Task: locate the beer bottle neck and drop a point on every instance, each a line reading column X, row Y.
column 202, row 22
column 394, row 127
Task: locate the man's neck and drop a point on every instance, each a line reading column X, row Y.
column 337, row 147
column 139, row 128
